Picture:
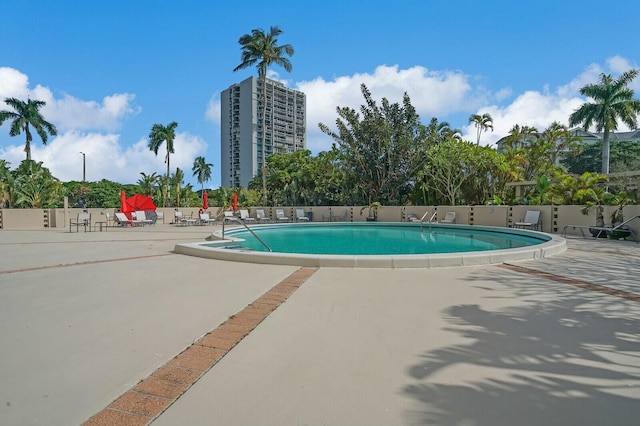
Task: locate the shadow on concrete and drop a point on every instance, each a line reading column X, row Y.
column 562, row 356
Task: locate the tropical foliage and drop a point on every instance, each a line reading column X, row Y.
column 612, row 100
column 380, row 150
column 624, row 157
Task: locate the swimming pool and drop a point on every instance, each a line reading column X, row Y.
column 386, row 245
column 380, row 239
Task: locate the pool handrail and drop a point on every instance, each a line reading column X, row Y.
column 241, row 222
column 430, row 219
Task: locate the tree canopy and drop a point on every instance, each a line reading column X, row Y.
column 379, row 148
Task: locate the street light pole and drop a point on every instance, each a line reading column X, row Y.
column 84, row 167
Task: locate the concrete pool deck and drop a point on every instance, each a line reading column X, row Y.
column 86, row 318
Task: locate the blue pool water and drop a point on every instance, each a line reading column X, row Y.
column 381, row 239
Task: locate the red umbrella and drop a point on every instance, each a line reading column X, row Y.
column 124, row 206
column 235, row 201
column 205, row 200
column 141, row 202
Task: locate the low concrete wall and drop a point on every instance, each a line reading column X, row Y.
column 490, row 215
column 24, row 219
column 554, row 218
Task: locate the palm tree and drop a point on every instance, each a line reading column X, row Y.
column 202, row 170
column 613, row 100
column 482, row 123
column 262, row 48
column 438, row 131
column 159, row 134
column 148, row 183
column 25, row 114
column 177, row 180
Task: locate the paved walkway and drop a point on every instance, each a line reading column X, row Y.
column 91, row 323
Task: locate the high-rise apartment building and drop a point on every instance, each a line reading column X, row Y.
column 241, row 127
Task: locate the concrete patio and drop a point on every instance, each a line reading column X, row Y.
column 85, row 317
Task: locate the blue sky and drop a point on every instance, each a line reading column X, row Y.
column 109, row 70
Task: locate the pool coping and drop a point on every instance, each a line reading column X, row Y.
column 218, row 250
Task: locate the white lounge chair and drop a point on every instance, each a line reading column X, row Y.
column 300, row 216
column 531, row 220
column 181, row 219
column 262, row 218
column 449, row 217
column 206, row 219
column 280, row 216
column 228, row 215
column 123, row 220
column 141, row 215
column 244, row 215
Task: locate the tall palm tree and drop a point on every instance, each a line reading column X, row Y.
column 612, row 100
column 160, row 134
column 25, row 114
column 262, row 49
column 482, row 123
column 157, row 136
column 202, row 170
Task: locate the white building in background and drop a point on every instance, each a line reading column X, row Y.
column 241, row 127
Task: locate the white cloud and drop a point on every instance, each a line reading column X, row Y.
column 68, row 112
column 72, row 113
column 13, row 83
column 618, row 64
column 532, row 108
column 213, row 109
column 106, row 157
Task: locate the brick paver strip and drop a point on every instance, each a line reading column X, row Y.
column 205, row 352
column 246, row 321
column 151, row 396
column 177, row 374
column 141, row 403
column 214, row 342
column 108, row 417
column 161, row 387
column 251, row 314
column 192, row 362
column 227, row 334
column 243, row 329
column 577, row 283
